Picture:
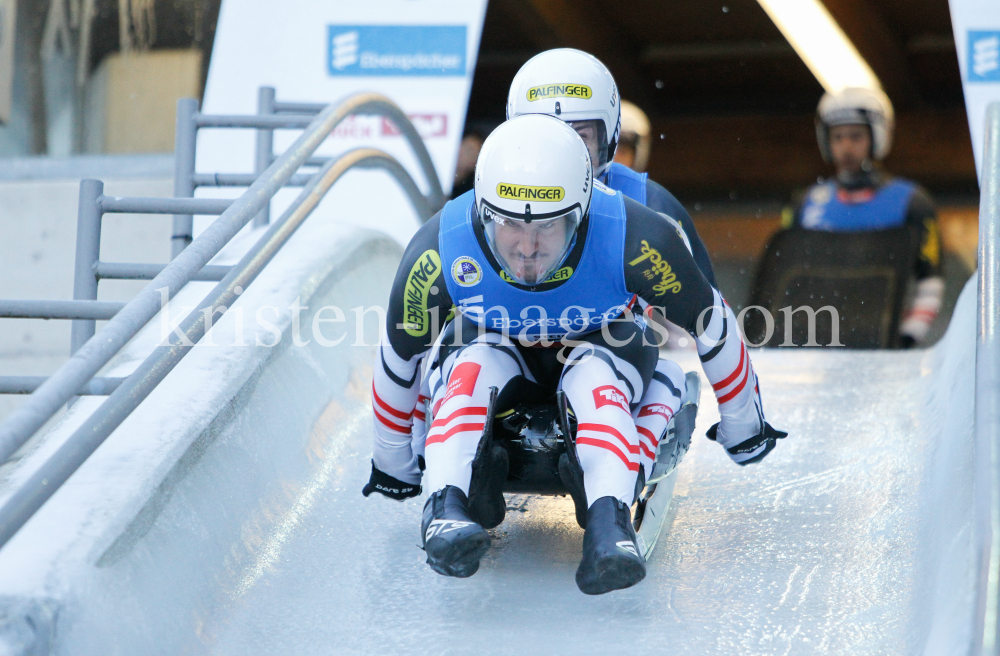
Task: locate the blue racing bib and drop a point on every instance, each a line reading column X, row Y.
column 593, row 294
column 622, row 178
column 823, row 210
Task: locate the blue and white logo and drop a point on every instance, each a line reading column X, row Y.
column 344, row 50
column 984, row 56
column 396, row 50
column 466, row 271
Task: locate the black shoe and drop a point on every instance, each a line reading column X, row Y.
column 453, row 542
column 611, row 558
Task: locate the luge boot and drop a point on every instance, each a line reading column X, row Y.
column 611, row 557
column 453, row 542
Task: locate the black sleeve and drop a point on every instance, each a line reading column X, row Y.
column 922, row 214
column 419, row 300
column 659, row 268
column 791, row 214
column 659, row 199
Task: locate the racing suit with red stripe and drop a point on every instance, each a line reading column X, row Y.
column 665, row 279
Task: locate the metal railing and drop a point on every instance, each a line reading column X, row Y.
column 987, row 492
column 91, row 352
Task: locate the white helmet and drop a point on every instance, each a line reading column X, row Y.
column 856, row 106
column 573, row 86
column 635, row 127
column 533, row 188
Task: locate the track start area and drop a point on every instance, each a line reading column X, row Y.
column 830, row 546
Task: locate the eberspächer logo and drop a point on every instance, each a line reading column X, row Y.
column 984, row 56
column 396, row 49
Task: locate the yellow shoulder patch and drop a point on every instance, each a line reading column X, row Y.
column 930, row 250
column 787, row 217
column 424, row 272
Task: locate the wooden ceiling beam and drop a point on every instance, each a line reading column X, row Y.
column 580, row 24
column 714, row 156
column 522, row 14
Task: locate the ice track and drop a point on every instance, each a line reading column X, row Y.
column 824, row 549
column 853, row 537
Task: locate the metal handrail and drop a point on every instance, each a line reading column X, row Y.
column 94, row 204
column 240, row 179
column 289, row 121
column 297, row 108
column 987, row 476
column 99, row 349
column 115, row 204
column 28, row 384
column 436, row 196
column 94, row 310
column 141, row 271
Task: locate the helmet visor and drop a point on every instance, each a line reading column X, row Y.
column 847, row 116
column 595, row 135
column 530, row 250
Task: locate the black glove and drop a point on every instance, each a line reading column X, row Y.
column 907, row 342
column 388, row 486
column 769, row 435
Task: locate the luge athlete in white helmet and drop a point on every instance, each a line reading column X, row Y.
column 854, row 129
column 544, row 267
column 577, row 88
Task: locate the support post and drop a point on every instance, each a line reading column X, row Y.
column 265, row 147
column 184, row 152
column 987, row 480
column 88, row 253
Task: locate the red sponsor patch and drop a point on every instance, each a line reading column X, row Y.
column 855, row 197
column 462, row 381
column 656, row 409
column 610, row 395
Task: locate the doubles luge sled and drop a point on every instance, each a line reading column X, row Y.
column 653, row 507
column 530, row 449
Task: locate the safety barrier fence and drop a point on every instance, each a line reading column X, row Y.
column 987, row 493
column 90, row 352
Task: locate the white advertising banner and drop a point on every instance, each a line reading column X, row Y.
column 977, row 38
column 419, row 53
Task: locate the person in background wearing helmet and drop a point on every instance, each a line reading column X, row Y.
column 543, row 266
column 634, row 142
column 854, row 129
column 576, row 87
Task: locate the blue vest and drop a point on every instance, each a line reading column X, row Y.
column 887, row 209
column 622, row 178
column 594, row 294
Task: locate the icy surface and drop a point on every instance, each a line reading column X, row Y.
column 244, row 531
column 851, row 538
